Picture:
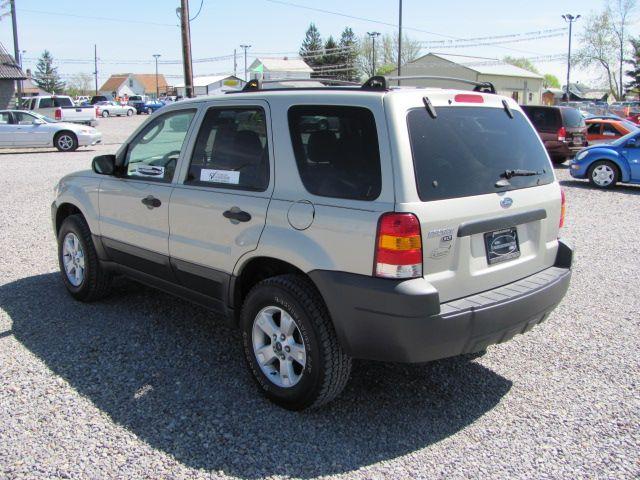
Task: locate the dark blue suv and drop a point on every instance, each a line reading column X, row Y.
column 606, row 164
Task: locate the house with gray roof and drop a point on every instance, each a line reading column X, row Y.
column 10, row 71
column 523, row 86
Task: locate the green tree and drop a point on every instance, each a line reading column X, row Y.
column 330, row 61
column 521, row 62
column 550, row 81
column 634, row 73
column 348, row 55
column 311, row 49
column 46, row 75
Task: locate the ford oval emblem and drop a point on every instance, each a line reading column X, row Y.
column 506, row 202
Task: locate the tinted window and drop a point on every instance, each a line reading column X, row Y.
column 154, row 153
column 46, row 103
column 544, row 119
column 336, row 151
column 609, row 130
column 593, row 129
column 231, row 150
column 464, row 151
column 62, row 102
column 572, row 118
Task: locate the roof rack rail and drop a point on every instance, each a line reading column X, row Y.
column 255, row 85
column 381, row 83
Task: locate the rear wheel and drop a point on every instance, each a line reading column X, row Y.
column 603, row 174
column 558, row 160
column 66, row 141
column 149, row 110
column 81, row 272
column 290, row 344
column 105, row 113
column 129, row 112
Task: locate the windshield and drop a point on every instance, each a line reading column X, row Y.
column 464, row 151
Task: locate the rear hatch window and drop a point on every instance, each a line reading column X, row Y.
column 465, row 151
column 545, row 119
column 572, row 118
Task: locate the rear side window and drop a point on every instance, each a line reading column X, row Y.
column 572, row 118
column 336, row 151
column 464, row 151
column 231, row 150
column 62, row 102
column 544, row 119
column 46, row 103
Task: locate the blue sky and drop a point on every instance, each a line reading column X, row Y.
column 146, row 27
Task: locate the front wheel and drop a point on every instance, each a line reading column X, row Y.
column 290, row 344
column 603, row 174
column 66, row 142
column 82, row 273
column 105, row 114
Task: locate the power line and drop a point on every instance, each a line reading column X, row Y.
column 108, row 19
column 500, row 42
column 499, row 37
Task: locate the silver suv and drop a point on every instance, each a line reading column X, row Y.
column 395, row 224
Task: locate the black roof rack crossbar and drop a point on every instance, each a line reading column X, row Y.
column 381, row 83
column 255, row 84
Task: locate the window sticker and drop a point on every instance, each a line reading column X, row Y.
column 147, row 171
column 220, row 176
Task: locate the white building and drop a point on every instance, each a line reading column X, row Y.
column 211, row 85
column 279, row 69
column 128, row 84
column 523, row 86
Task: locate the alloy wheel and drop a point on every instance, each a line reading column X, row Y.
column 65, row 142
column 278, row 346
column 73, row 259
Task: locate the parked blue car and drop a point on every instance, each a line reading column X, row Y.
column 606, row 164
column 149, row 107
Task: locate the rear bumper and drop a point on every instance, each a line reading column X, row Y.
column 562, row 149
column 403, row 321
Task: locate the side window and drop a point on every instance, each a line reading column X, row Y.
column 609, row 130
column 5, row 118
column 23, row 118
column 594, row 129
column 154, row 153
column 336, row 151
column 46, row 103
column 231, row 150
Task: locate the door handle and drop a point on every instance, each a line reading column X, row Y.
column 236, row 214
column 151, row 202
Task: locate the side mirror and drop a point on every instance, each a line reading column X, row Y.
column 104, row 164
column 38, row 121
column 631, row 143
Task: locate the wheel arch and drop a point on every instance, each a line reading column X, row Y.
column 64, row 211
column 622, row 167
column 62, row 132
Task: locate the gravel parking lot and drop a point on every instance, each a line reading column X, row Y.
column 144, row 385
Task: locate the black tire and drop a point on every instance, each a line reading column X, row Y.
column 129, row 112
column 105, row 114
column 327, row 367
column 609, row 166
column 558, row 160
column 96, row 283
column 65, row 141
column 149, row 110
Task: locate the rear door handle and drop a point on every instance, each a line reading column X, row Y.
column 151, row 202
column 236, row 214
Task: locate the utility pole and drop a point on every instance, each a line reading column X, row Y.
column 570, row 19
column 373, row 36
column 156, row 56
column 235, row 64
column 246, row 79
column 95, row 65
column 16, row 51
column 400, row 43
column 183, row 12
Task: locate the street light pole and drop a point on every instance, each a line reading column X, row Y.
column 245, row 47
column 400, row 43
column 373, row 36
column 156, row 56
column 569, row 19
column 187, row 66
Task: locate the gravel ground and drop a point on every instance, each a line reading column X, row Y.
column 144, row 385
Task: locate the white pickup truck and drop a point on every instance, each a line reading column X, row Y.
column 62, row 109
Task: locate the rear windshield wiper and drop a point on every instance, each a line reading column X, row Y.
column 519, row 173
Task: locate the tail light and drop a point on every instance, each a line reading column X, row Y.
column 563, row 208
column 57, row 114
column 562, row 134
column 398, row 246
